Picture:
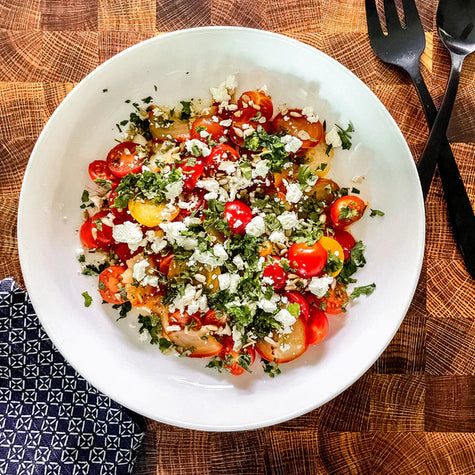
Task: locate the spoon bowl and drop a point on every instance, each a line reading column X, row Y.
column 456, row 25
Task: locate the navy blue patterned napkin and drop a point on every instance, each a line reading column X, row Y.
column 52, row 421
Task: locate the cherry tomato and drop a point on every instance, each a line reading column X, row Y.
column 238, row 215
column 296, row 124
column 308, row 260
column 347, row 210
column 99, row 170
column 335, row 301
column 346, row 240
column 95, row 233
column 123, row 159
column 317, row 326
column 191, row 173
column 277, row 274
column 196, row 201
column 219, row 154
column 123, row 251
column 257, row 100
column 212, row 318
column 235, row 368
column 164, row 263
column 184, row 318
column 296, row 297
column 244, row 122
column 110, row 284
column 205, row 128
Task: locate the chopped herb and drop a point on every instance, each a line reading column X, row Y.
column 153, row 325
column 376, row 212
column 81, row 258
column 363, row 290
column 347, row 212
column 147, row 100
column 85, row 196
column 91, row 269
column 140, row 126
column 345, row 136
column 127, row 101
column 328, row 149
column 124, row 123
column 87, row 299
column 355, row 191
column 293, row 309
column 155, row 88
column 186, row 110
column 352, row 264
column 104, row 183
column 270, row 368
column 124, row 309
column 105, row 90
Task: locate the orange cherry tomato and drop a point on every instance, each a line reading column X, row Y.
column 308, row 260
column 346, row 210
column 109, row 284
column 296, row 124
column 257, row 100
column 205, row 128
column 123, row 159
column 317, row 326
column 244, row 122
column 335, row 301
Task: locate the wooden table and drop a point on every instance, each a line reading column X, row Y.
column 414, row 410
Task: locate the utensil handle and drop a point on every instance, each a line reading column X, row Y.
column 428, row 160
column 458, row 204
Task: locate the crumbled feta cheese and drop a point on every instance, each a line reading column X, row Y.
column 284, row 317
column 256, row 227
column 173, row 190
column 213, row 258
column 223, row 92
column 139, row 270
column 292, row 144
column 227, row 167
column 210, row 184
column 277, row 237
column 151, row 280
column 285, row 346
column 202, row 147
column 310, row 115
column 288, row 220
column 224, row 281
column 267, row 305
column 238, row 262
column 174, row 235
column 319, row 285
column 226, row 123
column 261, row 169
column 173, row 328
column 129, row 233
column 182, row 301
column 332, row 138
column 294, row 193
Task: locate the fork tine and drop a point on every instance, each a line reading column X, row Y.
column 411, row 15
column 392, row 18
column 372, row 19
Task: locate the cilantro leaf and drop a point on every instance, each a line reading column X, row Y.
column 376, row 212
column 363, row 290
column 345, row 136
column 87, row 299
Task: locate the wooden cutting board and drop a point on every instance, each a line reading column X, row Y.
column 414, row 410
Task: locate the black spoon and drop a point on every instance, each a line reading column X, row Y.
column 456, row 27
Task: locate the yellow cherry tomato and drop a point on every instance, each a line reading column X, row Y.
column 319, row 160
column 151, row 215
column 333, row 247
column 266, row 249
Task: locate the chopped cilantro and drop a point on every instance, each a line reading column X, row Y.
column 352, row 264
column 141, row 126
column 81, row 258
column 345, row 136
column 270, row 368
column 186, row 110
column 87, row 299
column 376, row 212
column 293, row 309
column 347, row 212
column 124, row 309
column 147, row 100
column 153, row 325
column 85, row 196
column 363, row 290
column 91, row 269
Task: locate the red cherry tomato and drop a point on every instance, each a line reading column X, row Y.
column 95, row 233
column 317, row 326
column 238, row 215
column 196, row 201
column 257, row 100
column 184, row 318
column 164, row 263
column 296, row 124
column 191, row 173
column 99, row 170
column 205, row 128
column 277, row 274
column 296, row 297
column 110, row 284
column 308, row 260
column 123, row 251
column 123, row 159
column 243, row 121
column 346, row 210
column 219, row 154
column 232, row 357
column 346, row 240
column 212, row 318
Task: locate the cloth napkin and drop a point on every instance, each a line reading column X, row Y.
column 52, row 421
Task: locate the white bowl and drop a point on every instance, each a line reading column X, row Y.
column 107, row 353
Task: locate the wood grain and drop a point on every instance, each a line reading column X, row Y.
column 413, row 412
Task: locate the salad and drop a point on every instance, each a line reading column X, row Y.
column 221, row 227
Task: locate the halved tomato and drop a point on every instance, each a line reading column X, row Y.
column 317, row 326
column 99, row 170
column 257, row 100
column 123, row 159
column 219, row 154
column 296, row 297
column 95, row 233
column 293, row 122
column 205, row 129
column 110, row 284
column 346, row 210
column 296, row 343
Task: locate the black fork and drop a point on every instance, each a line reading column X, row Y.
column 403, row 46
